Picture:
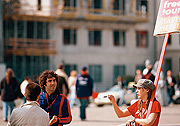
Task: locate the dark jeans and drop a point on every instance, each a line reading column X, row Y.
column 83, row 105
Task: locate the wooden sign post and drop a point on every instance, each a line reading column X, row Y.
column 168, row 21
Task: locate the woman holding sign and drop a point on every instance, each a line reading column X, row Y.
column 138, row 110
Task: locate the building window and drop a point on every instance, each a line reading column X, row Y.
column 119, row 70
column 69, row 67
column 179, row 65
column 95, row 37
column 96, row 4
column 69, row 36
column 96, row 72
column 168, row 65
column 119, row 38
column 142, row 5
column 142, row 39
column 27, row 65
column 70, row 3
column 169, row 40
column 39, row 5
column 119, row 5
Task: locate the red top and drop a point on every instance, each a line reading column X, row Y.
column 156, row 108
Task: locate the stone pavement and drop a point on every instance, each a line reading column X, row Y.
column 105, row 116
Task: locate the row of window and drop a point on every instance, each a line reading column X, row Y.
column 96, row 71
column 95, row 37
column 118, row 70
column 25, row 29
column 117, row 4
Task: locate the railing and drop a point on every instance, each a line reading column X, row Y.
column 102, row 14
column 52, row 13
column 16, row 9
column 26, row 46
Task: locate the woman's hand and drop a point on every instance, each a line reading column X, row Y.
column 112, row 99
column 128, row 123
column 53, row 120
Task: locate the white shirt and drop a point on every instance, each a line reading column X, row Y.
column 23, row 86
column 29, row 114
column 61, row 73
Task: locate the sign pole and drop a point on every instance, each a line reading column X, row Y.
column 158, row 72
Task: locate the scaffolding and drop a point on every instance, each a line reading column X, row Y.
column 27, row 45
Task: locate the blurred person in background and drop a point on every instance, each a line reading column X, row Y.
column 63, row 80
column 178, row 81
column 23, row 86
column 84, row 89
column 170, row 82
column 138, row 76
column 63, row 86
column 8, row 89
column 149, row 75
column 72, row 86
column 138, row 110
column 60, row 71
column 161, row 91
column 121, row 83
column 36, row 79
column 147, row 63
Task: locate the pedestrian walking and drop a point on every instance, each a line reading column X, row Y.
column 63, row 80
column 63, row 86
column 138, row 110
column 161, row 91
column 23, row 86
column 72, row 86
column 52, row 101
column 8, row 89
column 138, row 76
column 122, row 85
column 170, row 82
column 149, row 75
column 178, row 81
column 30, row 113
column 84, row 89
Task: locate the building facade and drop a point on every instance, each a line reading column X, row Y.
column 110, row 37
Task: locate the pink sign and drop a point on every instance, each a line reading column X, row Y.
column 168, row 19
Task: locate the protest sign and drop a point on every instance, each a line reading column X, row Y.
column 168, row 19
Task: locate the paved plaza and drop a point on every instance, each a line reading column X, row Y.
column 105, row 116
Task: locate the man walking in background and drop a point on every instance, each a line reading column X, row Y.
column 63, row 80
column 84, row 89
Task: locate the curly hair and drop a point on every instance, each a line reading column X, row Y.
column 43, row 77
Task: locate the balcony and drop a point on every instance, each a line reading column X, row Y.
column 30, row 47
column 103, row 15
column 25, row 10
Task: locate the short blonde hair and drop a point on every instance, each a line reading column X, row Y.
column 73, row 73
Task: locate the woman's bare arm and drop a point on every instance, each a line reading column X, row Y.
column 120, row 113
column 149, row 121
